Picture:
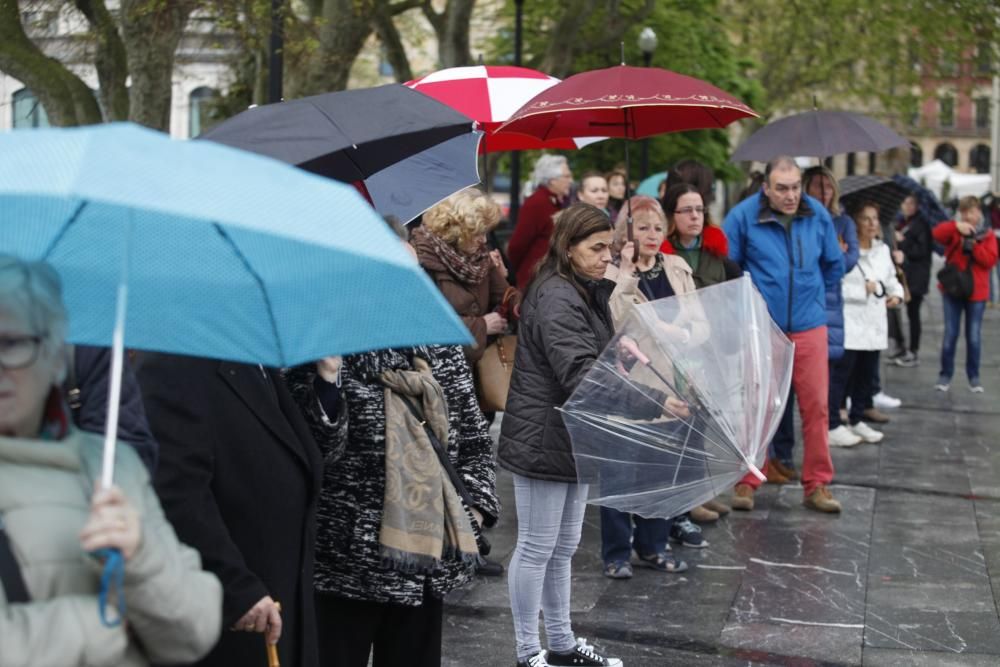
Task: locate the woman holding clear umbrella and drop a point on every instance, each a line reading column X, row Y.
column 53, row 516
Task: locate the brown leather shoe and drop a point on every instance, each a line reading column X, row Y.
column 822, row 500
column 788, row 471
column 875, row 415
column 702, row 514
column 774, row 475
column 742, row 497
column 718, row 507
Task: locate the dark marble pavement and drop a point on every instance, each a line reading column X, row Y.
column 909, row 574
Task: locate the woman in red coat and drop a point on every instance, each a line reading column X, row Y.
column 966, row 244
column 530, row 241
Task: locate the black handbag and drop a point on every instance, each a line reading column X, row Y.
column 956, row 283
column 10, row 573
column 456, row 480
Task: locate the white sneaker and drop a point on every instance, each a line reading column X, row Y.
column 844, row 437
column 942, row 386
column 537, row 660
column 867, row 433
column 884, row 400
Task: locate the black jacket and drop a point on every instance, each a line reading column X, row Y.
column 348, row 564
column 239, row 478
column 560, row 335
column 918, row 247
column 87, row 386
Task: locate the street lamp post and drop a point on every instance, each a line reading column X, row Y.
column 647, row 44
column 515, row 156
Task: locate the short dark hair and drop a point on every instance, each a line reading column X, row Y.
column 695, row 173
column 780, row 162
column 571, row 226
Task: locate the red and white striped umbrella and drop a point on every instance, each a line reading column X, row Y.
column 489, row 94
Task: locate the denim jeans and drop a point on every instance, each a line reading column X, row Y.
column 549, row 524
column 852, row 375
column 619, row 537
column 784, row 438
column 953, row 310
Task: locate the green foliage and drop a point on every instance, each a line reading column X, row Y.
column 692, row 40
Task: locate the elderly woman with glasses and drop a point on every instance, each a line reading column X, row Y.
column 54, row 517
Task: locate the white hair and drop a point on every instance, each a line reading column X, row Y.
column 548, row 168
column 32, row 292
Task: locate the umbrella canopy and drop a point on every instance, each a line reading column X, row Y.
column 242, row 257
column 927, row 202
column 682, row 402
column 489, row 94
column 818, row 134
column 623, row 101
column 651, row 184
column 379, row 137
column 856, row 190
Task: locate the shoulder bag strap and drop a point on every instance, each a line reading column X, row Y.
column 442, row 454
column 10, row 573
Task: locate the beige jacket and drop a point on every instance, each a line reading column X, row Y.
column 173, row 607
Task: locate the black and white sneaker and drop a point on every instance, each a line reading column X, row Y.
column 537, row 660
column 583, row 655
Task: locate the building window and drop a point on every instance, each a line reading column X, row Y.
column 201, row 116
column 979, row 158
column 850, row 164
column 872, row 162
column 947, row 154
column 28, row 111
column 982, row 113
column 984, row 57
column 946, row 112
column 916, row 156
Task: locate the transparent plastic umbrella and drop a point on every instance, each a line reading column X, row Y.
column 682, row 402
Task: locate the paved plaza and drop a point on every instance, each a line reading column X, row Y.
column 909, row 574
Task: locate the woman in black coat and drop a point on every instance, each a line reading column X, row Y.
column 917, row 245
column 364, row 601
column 565, row 324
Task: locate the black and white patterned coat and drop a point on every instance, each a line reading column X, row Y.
column 350, row 508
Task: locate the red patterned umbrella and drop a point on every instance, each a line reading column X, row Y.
column 629, row 102
column 489, row 94
column 623, row 101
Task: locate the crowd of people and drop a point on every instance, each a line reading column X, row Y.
column 327, row 509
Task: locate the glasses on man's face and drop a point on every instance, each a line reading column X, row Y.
column 18, row 351
column 689, row 210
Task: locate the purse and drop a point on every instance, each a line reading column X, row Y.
column 956, row 283
column 493, row 372
column 494, row 368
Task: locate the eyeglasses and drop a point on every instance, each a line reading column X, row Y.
column 19, row 351
column 688, row 210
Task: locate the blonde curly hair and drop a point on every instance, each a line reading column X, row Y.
column 463, row 216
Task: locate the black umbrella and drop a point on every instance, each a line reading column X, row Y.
column 348, row 135
column 856, row 190
column 818, row 134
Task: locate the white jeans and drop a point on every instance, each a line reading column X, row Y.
column 549, row 523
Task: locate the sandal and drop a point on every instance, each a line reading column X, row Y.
column 663, row 561
column 618, row 570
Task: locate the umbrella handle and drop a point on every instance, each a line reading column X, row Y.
column 272, row 649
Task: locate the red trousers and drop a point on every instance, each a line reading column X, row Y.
column 811, row 380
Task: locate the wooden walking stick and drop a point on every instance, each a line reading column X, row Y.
column 272, row 649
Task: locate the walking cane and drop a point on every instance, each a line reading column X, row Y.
column 272, row 649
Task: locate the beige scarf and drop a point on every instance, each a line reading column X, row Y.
column 423, row 517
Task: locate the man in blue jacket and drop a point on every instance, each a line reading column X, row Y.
column 786, row 241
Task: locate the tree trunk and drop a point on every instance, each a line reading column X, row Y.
column 346, row 25
column 395, row 52
column 452, row 30
column 110, row 59
column 66, row 98
column 151, row 31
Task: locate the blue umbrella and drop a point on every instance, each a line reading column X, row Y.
column 220, row 253
column 651, row 185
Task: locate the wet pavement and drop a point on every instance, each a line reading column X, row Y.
column 909, row 574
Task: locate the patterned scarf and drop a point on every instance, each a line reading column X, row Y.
column 468, row 269
column 423, row 517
